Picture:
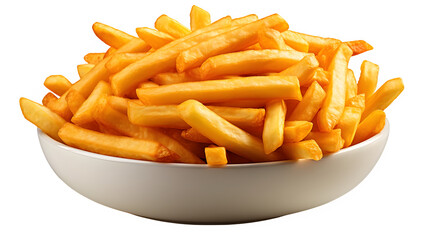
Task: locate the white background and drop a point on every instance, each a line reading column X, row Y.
column 40, row 38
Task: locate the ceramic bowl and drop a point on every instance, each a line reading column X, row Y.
column 198, row 194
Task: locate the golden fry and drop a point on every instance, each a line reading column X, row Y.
column 112, row 145
column 244, row 20
column 368, row 78
column 348, row 124
column 121, row 60
column 193, row 135
column 296, row 131
column 351, row 85
column 272, row 39
column 357, row 101
column 250, row 62
column 315, row 43
column 93, row 58
column 111, row 36
column 48, row 121
column 273, row 133
column 359, row 46
column 231, row 41
column 302, row 150
column 295, row 41
column 199, row 18
column 302, row 69
column 216, row 156
column 154, row 38
column 318, row 75
column 312, row 101
column 370, row 126
column 48, row 98
column 223, row 133
column 170, row 26
column 58, row 84
column 384, row 96
column 83, row 69
column 328, row 141
column 334, row 102
column 74, row 100
column 174, row 77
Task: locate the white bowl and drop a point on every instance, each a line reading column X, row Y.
column 188, row 193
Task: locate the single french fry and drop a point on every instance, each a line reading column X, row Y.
column 112, row 145
column 328, row 141
column 384, row 96
column 168, row 116
column 244, row 20
column 312, row 101
column 296, row 131
column 148, row 84
column 250, row 62
column 326, row 55
column 60, row 107
column 302, row 150
column 48, row 98
column 302, row 69
column 334, row 102
column 357, row 101
column 163, row 59
column 295, row 41
column 83, row 69
column 199, row 18
column 351, row 85
column 348, row 124
column 370, row 126
column 216, row 156
column 270, row 87
column 272, row 39
column 93, row 58
column 368, row 78
column 174, row 77
column 119, row 103
column 193, row 135
column 359, row 46
column 316, row 43
column 231, row 41
column 58, row 84
column 223, row 133
column 170, row 26
column 85, row 112
column 74, row 100
column 273, row 133
column 121, row 60
column 48, row 121
column 108, row 116
column 154, row 38
column 318, row 75
column 111, row 36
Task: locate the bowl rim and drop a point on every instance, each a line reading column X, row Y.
column 47, row 138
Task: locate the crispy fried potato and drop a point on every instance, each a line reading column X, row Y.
column 93, row 58
column 85, row 112
column 245, row 103
column 302, row 69
column 273, row 133
column 348, row 124
column 199, row 18
column 174, row 77
column 60, row 107
column 357, row 101
column 106, row 115
column 334, row 102
column 370, row 126
column 244, row 20
column 368, row 78
column 216, row 156
column 328, row 141
column 384, row 96
column 83, row 69
column 231, row 41
column 302, row 150
column 312, row 101
column 58, row 84
column 223, row 133
column 154, row 38
column 351, row 85
column 296, row 131
column 48, row 121
column 111, row 36
column 272, row 39
column 172, row 27
column 74, row 100
column 110, row 52
column 316, row 43
column 48, row 98
column 112, row 145
column 359, row 46
column 121, row 60
column 318, row 75
column 295, row 41
column 223, row 90
column 250, row 62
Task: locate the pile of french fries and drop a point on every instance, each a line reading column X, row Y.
column 237, row 90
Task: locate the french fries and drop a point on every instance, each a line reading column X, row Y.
column 250, row 62
column 233, row 91
column 270, row 87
